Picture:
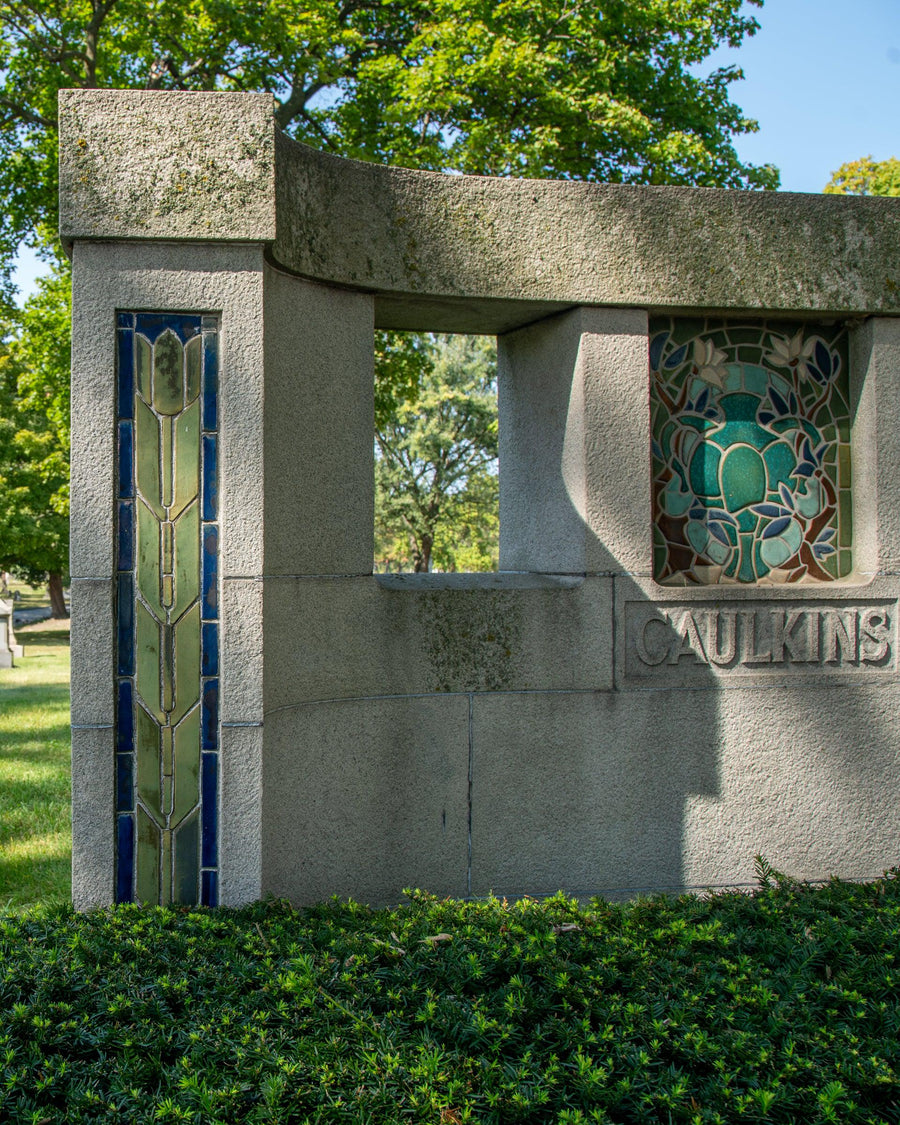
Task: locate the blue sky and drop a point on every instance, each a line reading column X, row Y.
column 822, row 78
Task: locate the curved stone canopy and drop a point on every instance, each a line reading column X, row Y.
column 460, row 253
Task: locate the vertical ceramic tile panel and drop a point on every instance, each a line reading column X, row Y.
column 751, row 452
column 167, row 630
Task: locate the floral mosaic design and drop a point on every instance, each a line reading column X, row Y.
column 167, row 609
column 751, row 452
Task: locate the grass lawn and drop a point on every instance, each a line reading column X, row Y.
column 35, row 824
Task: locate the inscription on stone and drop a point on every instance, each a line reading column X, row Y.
column 703, row 640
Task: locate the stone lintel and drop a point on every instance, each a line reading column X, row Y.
column 461, row 253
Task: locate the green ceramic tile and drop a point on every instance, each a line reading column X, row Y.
column 193, row 357
column 187, row 861
column 844, row 465
column 187, row 560
column 147, row 882
column 168, row 374
column 187, row 765
column 167, row 756
column 845, row 518
column 146, row 458
column 167, row 444
column 147, row 653
column 147, row 737
column 187, row 458
column 168, row 547
column 165, row 869
column 167, row 668
column 147, row 557
column 187, row 663
column 143, row 361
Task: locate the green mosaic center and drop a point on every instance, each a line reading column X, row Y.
column 751, row 452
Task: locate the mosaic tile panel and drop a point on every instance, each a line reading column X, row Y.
column 167, row 609
column 751, row 452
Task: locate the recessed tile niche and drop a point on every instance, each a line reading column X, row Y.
column 751, row 452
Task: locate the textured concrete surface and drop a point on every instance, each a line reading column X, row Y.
column 365, row 798
column 241, row 651
column 240, row 811
column 573, row 393
column 319, row 405
column 329, row 639
column 586, row 792
column 807, row 778
column 682, row 788
column 875, row 447
column 92, row 651
column 461, row 253
column 845, row 633
column 225, row 279
column 93, row 816
column 143, row 164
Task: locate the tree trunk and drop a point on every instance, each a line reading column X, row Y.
column 57, row 601
column 422, row 554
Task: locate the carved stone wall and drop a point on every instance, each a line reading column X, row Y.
column 690, row 653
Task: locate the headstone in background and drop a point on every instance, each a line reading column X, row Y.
column 7, row 637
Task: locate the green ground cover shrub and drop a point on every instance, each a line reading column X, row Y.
column 35, row 821
column 782, row 1006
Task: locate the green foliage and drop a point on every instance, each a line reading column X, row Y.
column 595, row 90
column 34, row 434
column 436, row 486
column 600, row 90
column 866, row 177
column 782, row 1006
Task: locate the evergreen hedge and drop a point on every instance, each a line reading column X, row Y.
column 777, row 1006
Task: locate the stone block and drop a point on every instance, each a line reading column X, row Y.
column 574, row 444
column 92, row 651
column 732, row 637
column 240, row 812
column 174, row 164
column 365, row 798
column 319, row 469
column 806, row 777
column 241, row 662
column 107, row 277
column 93, row 817
column 405, row 634
column 875, row 447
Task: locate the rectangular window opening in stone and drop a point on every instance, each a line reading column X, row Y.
column 750, row 431
column 436, row 463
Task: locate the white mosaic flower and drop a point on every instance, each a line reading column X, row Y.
column 709, row 363
column 791, row 352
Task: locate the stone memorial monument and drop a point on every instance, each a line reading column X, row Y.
column 689, row 655
column 8, row 647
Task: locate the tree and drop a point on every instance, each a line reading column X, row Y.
column 440, row 444
column 866, row 177
column 34, row 441
column 584, row 89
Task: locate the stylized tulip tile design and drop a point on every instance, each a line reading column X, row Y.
column 167, row 609
column 751, row 452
